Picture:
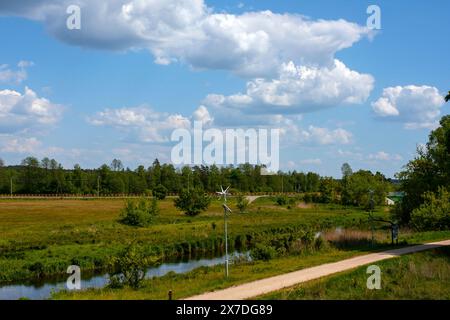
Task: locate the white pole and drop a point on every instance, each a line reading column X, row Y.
column 226, row 243
column 226, row 236
column 225, row 209
column 98, row 186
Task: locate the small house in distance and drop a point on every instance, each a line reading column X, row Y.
column 394, row 197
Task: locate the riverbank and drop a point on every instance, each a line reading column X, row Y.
column 45, row 288
column 41, row 238
column 212, row 278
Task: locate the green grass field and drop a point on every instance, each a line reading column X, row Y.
column 40, row 238
column 424, row 275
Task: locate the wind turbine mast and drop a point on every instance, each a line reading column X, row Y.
column 226, row 210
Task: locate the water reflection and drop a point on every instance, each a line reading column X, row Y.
column 44, row 289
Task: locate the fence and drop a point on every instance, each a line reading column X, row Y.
column 120, row 195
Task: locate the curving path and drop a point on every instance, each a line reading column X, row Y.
column 253, row 198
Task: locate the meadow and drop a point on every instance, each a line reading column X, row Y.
column 41, row 238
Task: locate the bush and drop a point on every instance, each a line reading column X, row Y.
column 129, row 268
column 434, row 213
column 37, row 268
column 160, row 192
column 141, row 213
column 263, row 252
column 319, row 243
column 192, row 202
column 308, row 197
column 242, row 203
column 281, row 200
column 292, row 202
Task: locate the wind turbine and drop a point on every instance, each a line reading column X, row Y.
column 226, row 209
column 223, row 193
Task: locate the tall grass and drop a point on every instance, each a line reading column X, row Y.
column 41, row 238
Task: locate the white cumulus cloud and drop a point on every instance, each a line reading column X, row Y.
column 325, row 136
column 17, row 76
column 299, row 89
column 250, row 44
column 415, row 106
column 10, row 144
column 142, row 123
column 27, row 111
column 311, row 162
column 384, row 156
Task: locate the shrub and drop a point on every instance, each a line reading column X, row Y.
column 281, row 200
column 319, row 243
column 160, row 192
column 308, row 238
column 129, row 268
column 434, row 213
column 291, row 203
column 192, row 202
column 139, row 213
column 37, row 268
column 263, row 252
column 308, row 198
column 242, row 203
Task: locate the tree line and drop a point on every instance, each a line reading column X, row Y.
column 49, row 177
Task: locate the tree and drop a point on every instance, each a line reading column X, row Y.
column 32, row 177
column 45, row 163
column 192, row 202
column 327, row 190
column 281, row 200
column 141, row 213
column 434, row 213
column 160, row 192
column 357, row 188
column 447, row 98
column 116, row 165
column 2, row 163
column 242, row 203
column 54, row 164
column 346, row 170
column 428, row 171
column 155, row 173
column 129, row 268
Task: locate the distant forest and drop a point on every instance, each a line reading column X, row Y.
column 49, row 177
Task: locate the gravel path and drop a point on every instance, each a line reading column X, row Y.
column 253, row 198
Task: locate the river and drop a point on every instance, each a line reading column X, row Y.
column 44, row 289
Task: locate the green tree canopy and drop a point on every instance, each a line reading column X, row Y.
column 361, row 186
column 428, row 171
column 192, row 202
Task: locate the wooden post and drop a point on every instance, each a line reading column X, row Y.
column 98, row 186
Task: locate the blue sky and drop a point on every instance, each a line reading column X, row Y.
column 96, row 103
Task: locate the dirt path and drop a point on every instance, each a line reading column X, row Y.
column 253, row 198
column 259, row 287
